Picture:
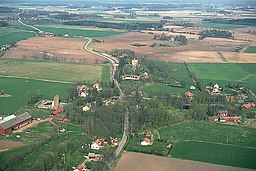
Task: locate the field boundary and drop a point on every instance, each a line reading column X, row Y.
column 217, row 143
column 38, row 79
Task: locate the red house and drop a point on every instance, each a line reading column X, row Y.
column 15, row 123
column 57, row 111
column 248, row 105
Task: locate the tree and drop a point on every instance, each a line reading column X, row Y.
column 33, row 97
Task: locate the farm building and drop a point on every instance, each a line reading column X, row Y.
column 14, row 122
column 224, row 119
column 222, row 113
column 57, row 111
column 60, row 118
column 131, row 77
column 95, row 157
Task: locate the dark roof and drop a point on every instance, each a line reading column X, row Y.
column 60, row 117
column 16, row 120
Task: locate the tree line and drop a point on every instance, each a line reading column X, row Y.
column 128, row 26
column 244, row 21
column 216, row 34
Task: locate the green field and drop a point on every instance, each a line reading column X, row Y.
column 179, row 73
column 73, row 158
column 11, row 36
column 53, row 71
column 216, row 153
column 18, row 89
column 250, row 49
column 226, row 73
column 21, row 27
column 220, row 26
column 78, row 31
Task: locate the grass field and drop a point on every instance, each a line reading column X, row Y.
column 11, row 36
column 180, row 73
column 18, row 89
column 250, row 49
column 220, row 26
column 206, row 142
column 49, row 70
column 74, row 31
column 216, row 153
column 21, row 27
column 226, row 73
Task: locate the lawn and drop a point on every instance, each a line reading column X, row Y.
column 18, row 89
column 48, row 70
column 216, row 153
column 220, row 26
column 12, row 36
column 74, row 31
column 225, row 73
column 250, row 49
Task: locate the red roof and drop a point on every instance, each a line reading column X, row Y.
column 98, row 142
column 248, row 105
column 231, row 119
column 147, row 133
column 59, row 110
column 147, row 140
column 80, row 167
column 189, row 94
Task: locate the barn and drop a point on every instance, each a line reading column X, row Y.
column 13, row 123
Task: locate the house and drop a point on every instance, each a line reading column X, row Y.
column 222, row 113
column 96, row 145
column 189, row 94
column 146, row 142
column 48, row 34
column 147, row 133
column 215, row 88
column 11, row 123
column 80, row 167
column 60, row 118
column 192, row 87
column 230, row 119
column 86, row 108
column 57, row 111
column 97, row 87
column 248, row 105
column 95, row 157
column 131, row 77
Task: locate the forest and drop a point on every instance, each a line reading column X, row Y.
column 245, row 21
column 215, row 34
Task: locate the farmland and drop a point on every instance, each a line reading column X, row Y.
column 80, row 32
column 19, row 76
column 220, row 26
column 11, row 36
column 138, row 162
column 225, row 73
column 216, row 153
column 18, row 89
column 52, row 71
column 58, row 49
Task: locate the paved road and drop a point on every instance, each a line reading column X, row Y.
column 37, row 29
column 114, row 63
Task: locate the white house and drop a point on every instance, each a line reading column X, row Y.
column 146, row 142
column 96, row 145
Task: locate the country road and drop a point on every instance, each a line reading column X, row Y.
column 37, row 29
column 114, row 63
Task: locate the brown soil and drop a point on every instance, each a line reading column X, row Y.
column 140, row 162
column 5, row 145
column 228, row 45
column 62, row 49
column 193, row 52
